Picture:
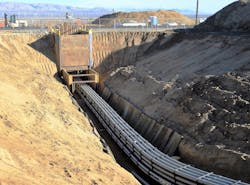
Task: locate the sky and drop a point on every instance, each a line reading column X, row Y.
column 206, row 6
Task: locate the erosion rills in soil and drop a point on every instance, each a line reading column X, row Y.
column 44, row 139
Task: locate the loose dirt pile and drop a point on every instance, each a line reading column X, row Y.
column 164, row 16
column 44, row 139
column 198, row 85
column 235, row 17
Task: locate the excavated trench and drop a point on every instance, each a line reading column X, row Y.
column 186, row 93
column 151, row 80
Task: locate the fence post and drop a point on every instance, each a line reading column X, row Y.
column 99, row 23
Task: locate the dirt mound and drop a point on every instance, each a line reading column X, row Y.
column 164, row 16
column 221, row 104
column 44, row 139
column 198, row 85
column 235, row 17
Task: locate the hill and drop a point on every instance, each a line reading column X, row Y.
column 164, row 16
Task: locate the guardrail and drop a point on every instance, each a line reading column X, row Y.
column 149, row 159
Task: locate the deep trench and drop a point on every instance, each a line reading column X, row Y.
column 115, row 50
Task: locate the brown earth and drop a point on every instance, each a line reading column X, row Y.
column 164, row 16
column 235, row 17
column 196, row 84
column 44, row 139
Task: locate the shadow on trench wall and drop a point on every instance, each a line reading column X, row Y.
column 45, row 46
column 129, row 48
column 118, row 49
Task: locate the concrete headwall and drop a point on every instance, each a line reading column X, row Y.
column 72, row 51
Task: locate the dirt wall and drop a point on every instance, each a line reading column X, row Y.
column 186, row 83
column 44, row 139
column 114, row 49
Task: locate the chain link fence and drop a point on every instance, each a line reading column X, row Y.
column 69, row 26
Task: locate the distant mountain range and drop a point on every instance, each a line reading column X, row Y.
column 49, row 10
column 53, row 10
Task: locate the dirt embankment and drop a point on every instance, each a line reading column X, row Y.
column 164, row 16
column 198, row 85
column 44, row 139
column 115, row 49
column 235, row 17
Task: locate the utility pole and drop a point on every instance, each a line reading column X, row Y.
column 197, row 11
column 5, row 20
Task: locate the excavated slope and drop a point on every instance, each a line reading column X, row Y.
column 196, row 84
column 44, row 139
column 114, row 49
